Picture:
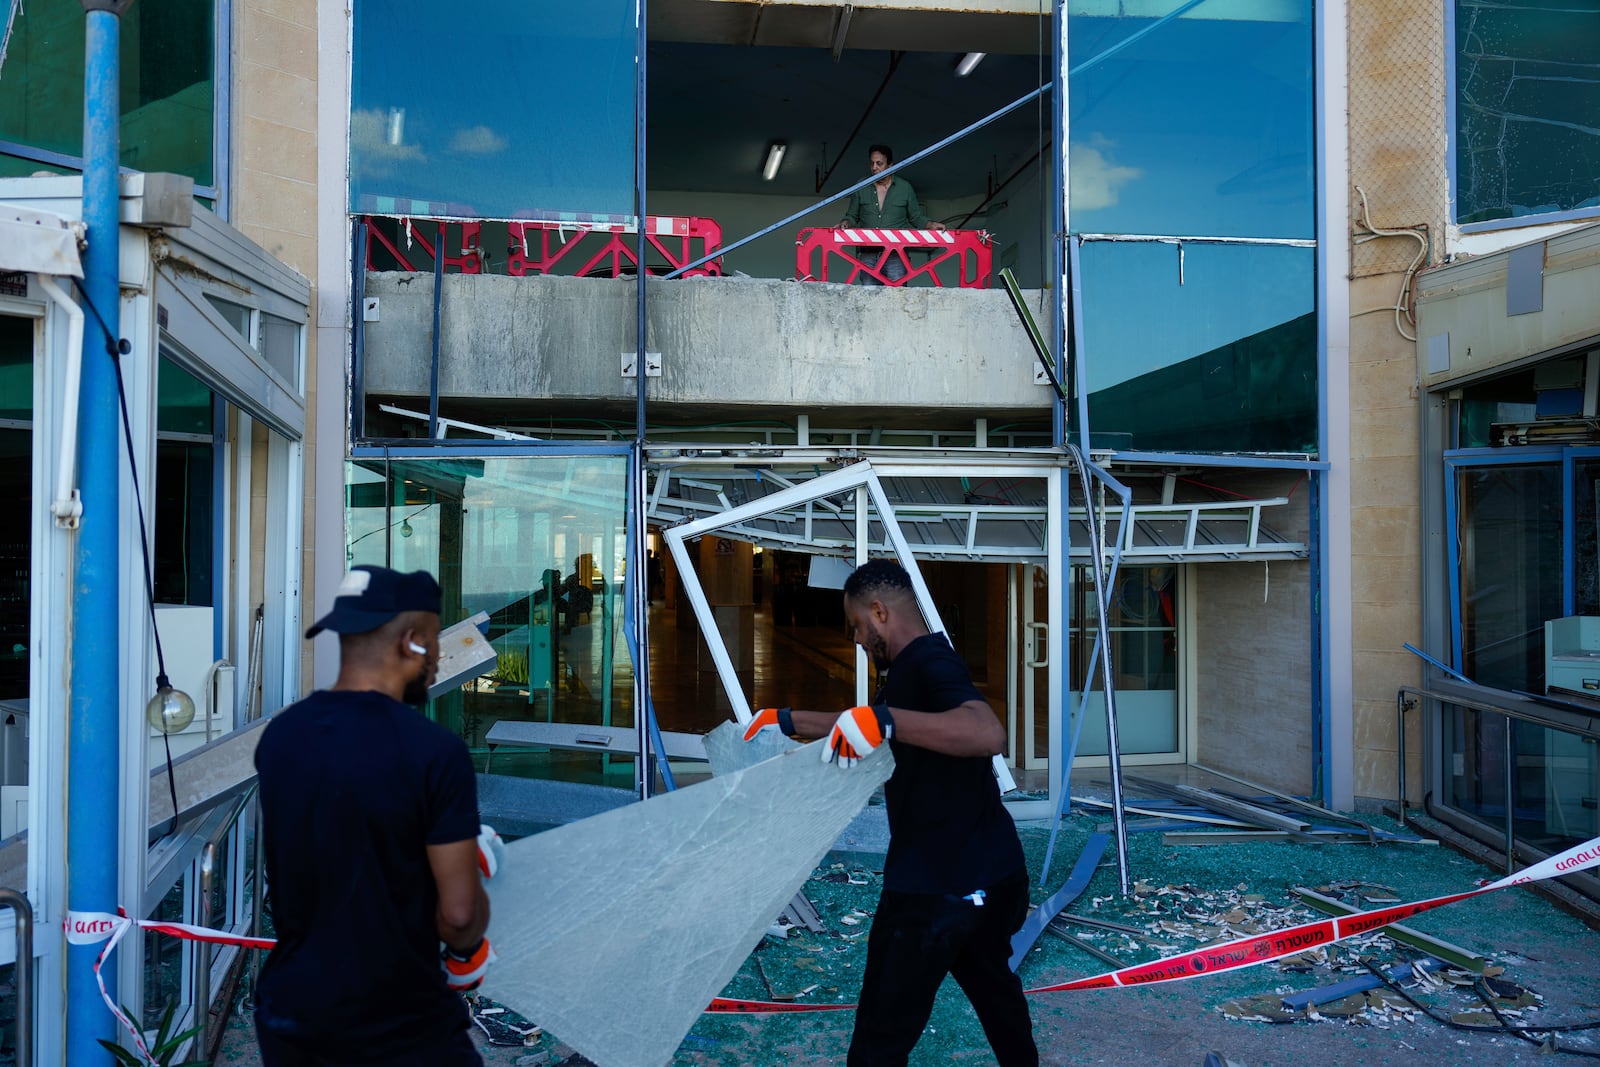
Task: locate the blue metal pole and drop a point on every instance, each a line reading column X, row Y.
column 94, row 742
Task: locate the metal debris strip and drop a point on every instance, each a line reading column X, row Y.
column 1059, row 930
column 1466, row 960
column 1316, row 811
column 801, row 912
column 1237, row 809
column 1071, row 889
column 1328, row 994
column 1188, row 814
column 1318, row 835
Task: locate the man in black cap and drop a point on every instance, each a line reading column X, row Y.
column 373, row 848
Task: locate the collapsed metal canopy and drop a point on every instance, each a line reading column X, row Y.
column 959, row 509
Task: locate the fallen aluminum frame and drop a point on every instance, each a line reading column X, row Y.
column 858, row 476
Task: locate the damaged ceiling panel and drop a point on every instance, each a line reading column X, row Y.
column 615, row 932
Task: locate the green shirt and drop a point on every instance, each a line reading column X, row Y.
column 900, row 208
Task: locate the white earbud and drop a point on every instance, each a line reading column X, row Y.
column 418, row 649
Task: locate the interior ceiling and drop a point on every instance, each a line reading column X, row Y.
column 730, row 77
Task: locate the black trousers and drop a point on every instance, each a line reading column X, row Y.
column 916, row 940
column 452, row 1050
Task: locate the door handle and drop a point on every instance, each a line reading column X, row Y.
column 1040, row 633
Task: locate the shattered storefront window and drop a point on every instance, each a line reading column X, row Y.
column 1527, row 101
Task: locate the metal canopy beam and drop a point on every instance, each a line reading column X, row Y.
column 856, row 476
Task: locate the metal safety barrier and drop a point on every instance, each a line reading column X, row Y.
column 853, row 253
column 584, row 245
column 598, row 245
column 458, row 240
column 22, row 973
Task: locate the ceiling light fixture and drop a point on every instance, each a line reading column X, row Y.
column 775, row 153
column 969, row 63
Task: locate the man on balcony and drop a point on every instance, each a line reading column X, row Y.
column 888, row 203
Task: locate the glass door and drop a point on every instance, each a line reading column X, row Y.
column 1143, row 625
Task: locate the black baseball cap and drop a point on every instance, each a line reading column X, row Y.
column 371, row 596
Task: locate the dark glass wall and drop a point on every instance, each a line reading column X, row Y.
column 1509, row 535
column 1201, row 128
column 1209, row 348
column 168, row 86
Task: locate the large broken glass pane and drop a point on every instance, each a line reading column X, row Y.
column 614, row 933
column 1527, row 101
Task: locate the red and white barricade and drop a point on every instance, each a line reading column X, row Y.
column 601, row 246
column 852, row 253
column 589, row 245
column 460, row 244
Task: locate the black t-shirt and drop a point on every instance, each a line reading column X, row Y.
column 354, row 787
column 948, row 831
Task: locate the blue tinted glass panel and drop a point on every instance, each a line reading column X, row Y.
column 1203, row 126
column 1212, row 348
column 1527, row 108
column 493, row 109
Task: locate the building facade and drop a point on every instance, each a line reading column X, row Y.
column 1203, row 373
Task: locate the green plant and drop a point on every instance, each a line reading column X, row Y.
column 511, row 667
column 163, row 1046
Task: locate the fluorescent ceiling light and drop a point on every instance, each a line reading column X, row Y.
column 774, row 160
column 969, row 63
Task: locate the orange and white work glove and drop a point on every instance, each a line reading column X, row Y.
column 491, row 851
column 856, row 732
column 464, row 972
column 769, row 718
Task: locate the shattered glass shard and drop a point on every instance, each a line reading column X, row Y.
column 615, row 932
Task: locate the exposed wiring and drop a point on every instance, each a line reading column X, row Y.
column 1525, row 1033
column 1215, row 488
column 1403, row 312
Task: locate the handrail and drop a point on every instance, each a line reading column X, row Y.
column 1513, row 709
column 202, row 971
column 22, row 973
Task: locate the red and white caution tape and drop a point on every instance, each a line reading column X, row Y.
column 93, row 927
column 87, row 928
column 1249, row 951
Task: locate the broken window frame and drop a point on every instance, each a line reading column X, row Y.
column 1453, row 132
